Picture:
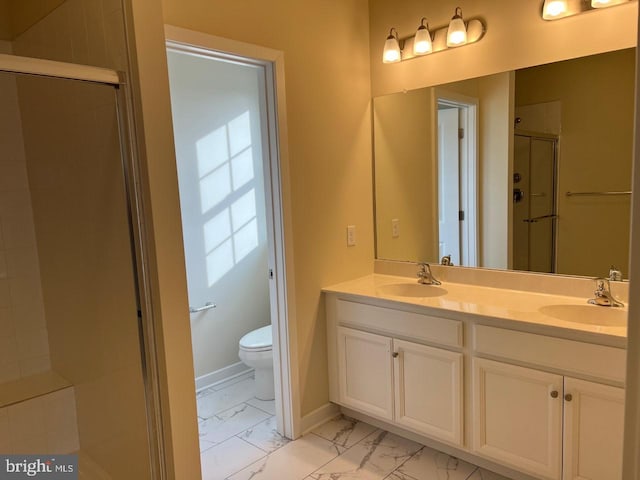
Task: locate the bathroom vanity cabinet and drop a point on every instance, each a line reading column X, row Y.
column 547, row 424
column 413, row 385
column 548, row 407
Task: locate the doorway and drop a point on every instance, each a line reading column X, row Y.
column 457, row 178
column 227, row 153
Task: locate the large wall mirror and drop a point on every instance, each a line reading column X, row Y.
column 526, row 170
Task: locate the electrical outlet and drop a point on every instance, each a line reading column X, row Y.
column 395, row 227
column 351, row 235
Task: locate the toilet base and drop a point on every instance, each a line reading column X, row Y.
column 264, row 383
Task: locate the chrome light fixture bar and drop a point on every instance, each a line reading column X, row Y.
column 426, row 42
column 556, row 9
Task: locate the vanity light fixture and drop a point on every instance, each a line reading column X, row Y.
column 422, row 42
column 426, row 41
column 555, row 9
column 606, row 3
column 391, row 53
column 457, row 32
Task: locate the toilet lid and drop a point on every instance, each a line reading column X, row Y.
column 259, row 339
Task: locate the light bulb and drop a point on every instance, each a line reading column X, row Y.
column 555, row 9
column 422, row 43
column 606, row 3
column 391, row 52
column 457, row 32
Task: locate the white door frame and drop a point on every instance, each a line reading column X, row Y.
column 469, row 191
column 287, row 389
column 449, row 163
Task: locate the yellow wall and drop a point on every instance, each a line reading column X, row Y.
column 406, row 184
column 326, row 52
column 5, row 21
column 631, row 468
column 496, row 168
column 595, row 154
column 516, row 37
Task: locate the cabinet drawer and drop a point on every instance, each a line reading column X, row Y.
column 584, row 358
column 398, row 323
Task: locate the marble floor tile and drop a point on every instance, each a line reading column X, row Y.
column 205, row 445
column 232, row 381
column 373, row 458
column 429, row 464
column 265, row 436
column 217, row 429
column 482, row 474
column 227, row 458
column 294, row 461
column 204, row 392
column 219, row 400
column 398, row 476
column 344, row 431
column 268, row 406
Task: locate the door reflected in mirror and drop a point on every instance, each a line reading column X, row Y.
column 527, row 170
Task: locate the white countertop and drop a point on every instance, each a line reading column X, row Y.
column 526, row 308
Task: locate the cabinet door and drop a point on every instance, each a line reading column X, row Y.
column 428, row 390
column 593, row 431
column 365, row 372
column 517, row 417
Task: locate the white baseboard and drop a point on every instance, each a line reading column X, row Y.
column 319, row 416
column 226, row 373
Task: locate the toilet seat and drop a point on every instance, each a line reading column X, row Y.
column 259, row 340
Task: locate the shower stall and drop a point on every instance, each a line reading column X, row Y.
column 73, row 378
column 78, row 373
column 534, row 202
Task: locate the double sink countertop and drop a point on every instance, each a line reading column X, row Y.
column 543, row 313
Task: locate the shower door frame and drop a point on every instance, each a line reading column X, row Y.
column 19, row 65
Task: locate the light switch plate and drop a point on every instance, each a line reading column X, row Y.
column 351, row 235
column 395, row 227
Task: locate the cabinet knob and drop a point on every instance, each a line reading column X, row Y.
column 554, row 394
column 394, row 354
column 568, row 397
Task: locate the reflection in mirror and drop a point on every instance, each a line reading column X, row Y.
column 526, row 170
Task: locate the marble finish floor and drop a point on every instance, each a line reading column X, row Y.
column 239, row 441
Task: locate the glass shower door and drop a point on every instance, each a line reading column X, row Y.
column 71, row 369
column 534, row 197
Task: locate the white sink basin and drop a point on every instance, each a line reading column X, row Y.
column 415, row 290
column 587, row 314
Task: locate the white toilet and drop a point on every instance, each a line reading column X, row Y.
column 256, row 350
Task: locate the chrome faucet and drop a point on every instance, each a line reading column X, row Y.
column 425, row 277
column 615, row 274
column 603, row 296
column 446, row 260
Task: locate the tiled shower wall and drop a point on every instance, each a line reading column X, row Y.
column 24, row 347
column 87, row 32
column 43, row 424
